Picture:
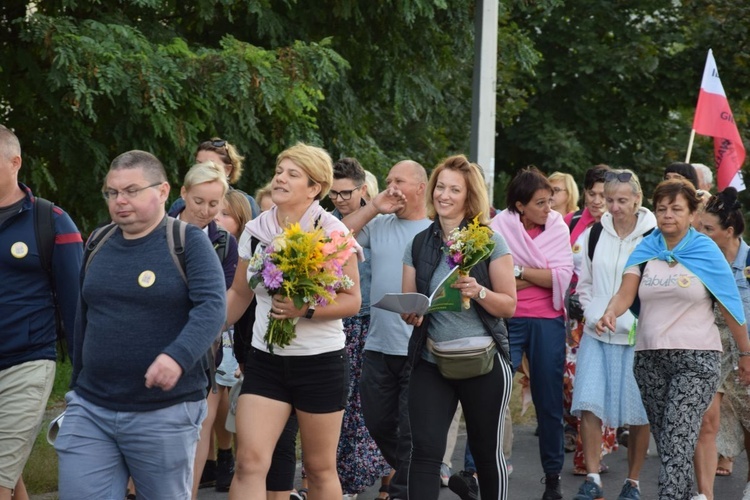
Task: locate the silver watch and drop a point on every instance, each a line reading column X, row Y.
column 482, row 293
column 518, row 272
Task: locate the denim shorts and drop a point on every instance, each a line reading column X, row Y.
column 313, row 384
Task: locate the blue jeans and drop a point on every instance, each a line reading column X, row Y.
column 98, row 449
column 543, row 341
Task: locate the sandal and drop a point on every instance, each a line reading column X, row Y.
column 725, row 466
column 383, row 489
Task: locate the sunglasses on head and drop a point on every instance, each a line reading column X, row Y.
column 217, row 143
column 621, row 176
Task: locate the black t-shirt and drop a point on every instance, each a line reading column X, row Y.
column 11, row 210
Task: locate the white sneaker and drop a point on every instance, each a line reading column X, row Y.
column 699, row 496
column 445, row 474
column 350, row 496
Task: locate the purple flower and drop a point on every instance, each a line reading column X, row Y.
column 272, row 277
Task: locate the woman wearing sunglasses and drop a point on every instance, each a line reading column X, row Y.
column 605, row 390
column 225, row 154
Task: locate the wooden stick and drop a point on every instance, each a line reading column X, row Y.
column 690, row 146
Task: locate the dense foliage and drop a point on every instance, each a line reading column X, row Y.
column 578, row 82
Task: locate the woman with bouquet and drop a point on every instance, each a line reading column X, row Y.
column 538, row 239
column 459, row 206
column 297, row 361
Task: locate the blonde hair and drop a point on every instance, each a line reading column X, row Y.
column 570, row 186
column 371, row 182
column 228, row 153
column 262, row 192
column 613, row 183
column 238, row 208
column 477, row 202
column 202, row 173
column 316, row 163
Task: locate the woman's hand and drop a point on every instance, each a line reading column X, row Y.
column 284, row 308
column 608, row 321
column 412, row 319
column 744, row 370
column 468, row 286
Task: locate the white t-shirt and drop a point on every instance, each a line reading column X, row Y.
column 676, row 310
column 313, row 336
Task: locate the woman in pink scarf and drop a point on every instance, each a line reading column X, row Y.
column 538, row 240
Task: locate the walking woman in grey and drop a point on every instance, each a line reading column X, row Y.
column 457, row 195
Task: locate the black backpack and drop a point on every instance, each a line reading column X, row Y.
column 44, row 232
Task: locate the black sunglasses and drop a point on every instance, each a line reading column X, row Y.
column 621, row 176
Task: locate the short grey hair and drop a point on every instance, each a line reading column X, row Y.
column 9, row 143
column 705, row 174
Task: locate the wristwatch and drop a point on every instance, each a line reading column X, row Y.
column 310, row 312
column 518, row 272
column 482, row 293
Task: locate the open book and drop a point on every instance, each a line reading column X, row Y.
column 444, row 298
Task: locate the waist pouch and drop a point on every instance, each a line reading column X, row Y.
column 463, row 358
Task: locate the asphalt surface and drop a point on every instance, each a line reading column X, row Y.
column 527, row 472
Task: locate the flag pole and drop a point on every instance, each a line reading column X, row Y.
column 690, row 146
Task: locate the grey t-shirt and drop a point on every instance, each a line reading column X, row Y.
column 386, row 236
column 448, row 325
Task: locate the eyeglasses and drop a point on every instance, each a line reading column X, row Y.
column 344, row 195
column 558, row 190
column 130, row 193
column 621, row 176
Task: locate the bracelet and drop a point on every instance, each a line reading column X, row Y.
column 744, row 354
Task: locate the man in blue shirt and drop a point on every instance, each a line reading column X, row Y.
column 27, row 312
column 138, row 389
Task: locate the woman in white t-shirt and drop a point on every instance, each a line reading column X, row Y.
column 674, row 274
column 310, row 375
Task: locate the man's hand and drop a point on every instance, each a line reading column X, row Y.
column 389, row 201
column 164, row 372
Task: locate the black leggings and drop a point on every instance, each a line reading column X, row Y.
column 432, row 403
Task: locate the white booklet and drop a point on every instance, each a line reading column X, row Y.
column 444, row 298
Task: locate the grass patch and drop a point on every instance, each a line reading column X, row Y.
column 40, row 473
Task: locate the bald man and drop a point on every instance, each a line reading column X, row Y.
column 385, row 227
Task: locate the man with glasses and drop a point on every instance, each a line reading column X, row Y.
column 138, row 389
column 384, row 227
column 27, row 311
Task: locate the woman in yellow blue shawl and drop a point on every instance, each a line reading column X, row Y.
column 676, row 274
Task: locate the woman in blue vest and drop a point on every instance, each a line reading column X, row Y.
column 458, row 195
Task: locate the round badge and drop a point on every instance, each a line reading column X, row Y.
column 747, row 272
column 146, row 279
column 19, row 250
column 577, row 248
column 683, row 281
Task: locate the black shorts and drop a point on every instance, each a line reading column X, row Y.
column 312, row 384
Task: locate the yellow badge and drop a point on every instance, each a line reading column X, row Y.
column 683, row 281
column 577, row 248
column 146, row 279
column 747, row 272
column 19, row 250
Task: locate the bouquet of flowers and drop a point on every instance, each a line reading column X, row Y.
column 306, row 267
column 468, row 246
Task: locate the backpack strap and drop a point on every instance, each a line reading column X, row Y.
column 575, row 219
column 596, row 231
column 176, row 241
column 94, row 244
column 44, row 232
column 221, row 244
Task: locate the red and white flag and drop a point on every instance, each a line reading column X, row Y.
column 713, row 117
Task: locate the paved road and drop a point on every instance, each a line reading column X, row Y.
column 525, row 485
